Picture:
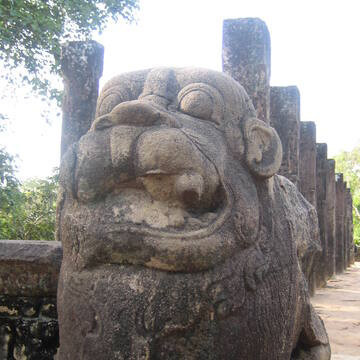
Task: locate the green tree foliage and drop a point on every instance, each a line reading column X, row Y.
column 31, row 32
column 27, row 211
column 10, row 194
column 39, row 207
column 348, row 163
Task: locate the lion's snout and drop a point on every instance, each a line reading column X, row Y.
column 168, row 152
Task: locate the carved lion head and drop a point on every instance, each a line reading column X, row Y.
column 168, row 175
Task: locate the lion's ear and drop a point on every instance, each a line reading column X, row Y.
column 263, row 148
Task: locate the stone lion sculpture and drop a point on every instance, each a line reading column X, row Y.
column 179, row 240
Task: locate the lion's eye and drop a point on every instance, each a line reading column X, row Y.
column 201, row 101
column 197, row 103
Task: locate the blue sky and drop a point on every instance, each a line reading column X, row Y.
column 315, row 45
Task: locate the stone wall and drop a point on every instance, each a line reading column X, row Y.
column 29, row 273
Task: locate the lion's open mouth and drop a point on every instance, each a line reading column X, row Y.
column 151, row 206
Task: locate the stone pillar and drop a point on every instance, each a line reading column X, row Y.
column 330, row 217
column 339, row 213
column 345, row 237
column 246, row 57
column 348, row 220
column 307, row 161
column 82, row 66
column 285, row 118
column 351, row 229
column 307, row 175
column 321, row 165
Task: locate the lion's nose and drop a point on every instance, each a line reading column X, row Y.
column 170, row 158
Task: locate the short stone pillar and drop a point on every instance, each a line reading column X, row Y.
column 307, row 175
column 307, row 161
column 339, row 213
column 351, row 227
column 346, row 243
column 321, row 167
column 81, row 66
column 285, row 118
column 246, row 57
column 347, row 227
column 330, row 219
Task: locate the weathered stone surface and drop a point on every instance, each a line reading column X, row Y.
column 29, row 268
column 81, row 65
column 246, row 57
column 330, row 219
column 339, row 213
column 29, row 273
column 307, row 161
column 6, row 340
column 179, row 240
column 26, row 333
column 285, row 118
column 321, row 167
